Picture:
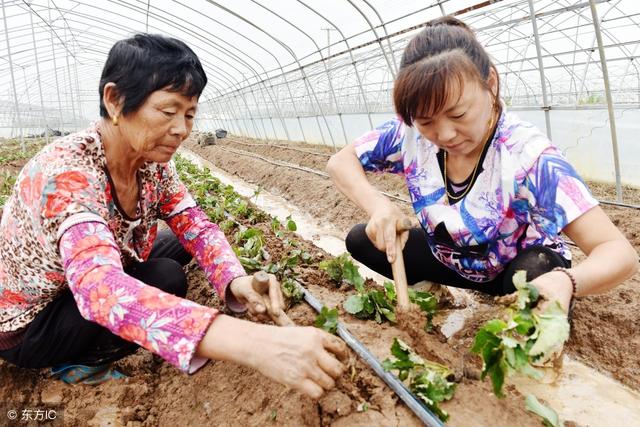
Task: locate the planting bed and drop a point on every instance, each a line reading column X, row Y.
column 222, row 393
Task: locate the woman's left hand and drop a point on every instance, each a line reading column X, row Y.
column 257, row 303
column 554, row 286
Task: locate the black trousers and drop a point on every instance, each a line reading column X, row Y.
column 420, row 264
column 59, row 334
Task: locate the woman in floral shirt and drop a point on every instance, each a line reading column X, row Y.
column 85, row 276
column 491, row 192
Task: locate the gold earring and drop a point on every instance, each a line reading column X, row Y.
column 114, row 120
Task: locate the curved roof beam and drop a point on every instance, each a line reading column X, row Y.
column 293, row 55
column 375, row 33
column 364, row 97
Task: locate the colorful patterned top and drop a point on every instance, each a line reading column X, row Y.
column 525, row 195
column 63, row 229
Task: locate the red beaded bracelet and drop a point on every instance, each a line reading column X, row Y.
column 574, row 284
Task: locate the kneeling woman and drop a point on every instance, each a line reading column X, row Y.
column 491, row 192
column 86, row 278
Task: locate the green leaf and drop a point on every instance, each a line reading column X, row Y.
column 291, row 289
column 352, row 275
column 553, row 331
column 497, row 379
column 354, row 304
column 390, row 291
column 333, row 269
column 291, row 224
column 549, row 417
column 327, row 319
column 400, row 349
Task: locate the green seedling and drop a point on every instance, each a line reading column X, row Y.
column 342, row 270
column 291, row 290
column 327, row 320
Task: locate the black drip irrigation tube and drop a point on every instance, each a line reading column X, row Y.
column 424, row 414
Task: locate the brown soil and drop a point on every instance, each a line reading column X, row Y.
column 603, row 335
column 223, row 393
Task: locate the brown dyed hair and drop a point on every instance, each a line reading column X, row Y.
column 435, row 65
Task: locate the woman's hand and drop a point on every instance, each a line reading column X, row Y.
column 554, row 285
column 257, row 303
column 303, row 358
column 381, row 229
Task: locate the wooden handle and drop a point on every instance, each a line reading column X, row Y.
column 399, row 274
column 260, row 284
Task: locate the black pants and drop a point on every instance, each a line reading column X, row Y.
column 59, row 334
column 420, row 264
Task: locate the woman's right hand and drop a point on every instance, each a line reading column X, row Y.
column 382, row 229
column 303, row 358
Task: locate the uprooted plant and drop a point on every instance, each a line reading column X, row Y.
column 429, row 381
column 523, row 340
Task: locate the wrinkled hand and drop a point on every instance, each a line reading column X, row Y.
column 381, row 230
column 256, row 303
column 554, row 285
column 304, row 358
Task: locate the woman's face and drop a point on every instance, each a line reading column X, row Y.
column 462, row 126
column 158, row 127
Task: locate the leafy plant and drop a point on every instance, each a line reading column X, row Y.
column 342, row 269
column 291, row 290
column 429, row 381
column 285, row 265
column 427, row 303
column 291, row 224
column 250, row 248
column 327, row 319
column 378, row 304
column 522, row 338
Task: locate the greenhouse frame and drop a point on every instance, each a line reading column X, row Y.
column 322, row 72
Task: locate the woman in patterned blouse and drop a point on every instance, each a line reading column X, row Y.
column 491, row 192
column 89, row 278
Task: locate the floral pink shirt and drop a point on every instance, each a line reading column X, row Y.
column 63, row 229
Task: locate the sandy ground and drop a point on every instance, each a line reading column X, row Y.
column 222, row 393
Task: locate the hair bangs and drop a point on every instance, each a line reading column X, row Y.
column 427, row 87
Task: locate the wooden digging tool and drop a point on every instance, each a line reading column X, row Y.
column 260, row 284
column 399, row 275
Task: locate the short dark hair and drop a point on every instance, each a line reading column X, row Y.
column 434, row 64
column 145, row 63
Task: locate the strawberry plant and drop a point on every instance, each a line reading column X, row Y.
column 378, row 304
column 341, row 269
column 250, row 248
column 429, row 381
column 327, row 319
column 291, row 290
column 522, row 338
